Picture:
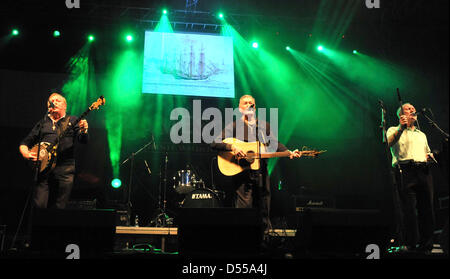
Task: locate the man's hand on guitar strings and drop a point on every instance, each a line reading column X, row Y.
column 295, row 154
column 239, row 153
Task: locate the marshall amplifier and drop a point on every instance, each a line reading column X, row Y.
column 302, row 202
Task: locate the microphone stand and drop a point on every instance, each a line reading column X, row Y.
column 162, row 219
column 131, row 160
column 396, row 198
column 29, row 201
column 261, row 204
column 433, row 123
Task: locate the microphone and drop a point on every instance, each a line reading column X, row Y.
column 51, row 104
column 422, row 111
column 149, row 171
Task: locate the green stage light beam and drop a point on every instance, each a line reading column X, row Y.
column 80, row 89
column 368, row 72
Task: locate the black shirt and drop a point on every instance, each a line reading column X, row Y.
column 47, row 132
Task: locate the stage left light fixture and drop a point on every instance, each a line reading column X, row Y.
column 56, row 33
column 116, row 183
column 15, row 32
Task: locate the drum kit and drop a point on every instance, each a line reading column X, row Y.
column 187, row 190
column 194, row 191
column 187, row 184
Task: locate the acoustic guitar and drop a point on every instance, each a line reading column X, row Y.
column 230, row 165
column 48, row 151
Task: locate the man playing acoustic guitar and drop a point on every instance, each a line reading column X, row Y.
column 54, row 187
column 246, row 183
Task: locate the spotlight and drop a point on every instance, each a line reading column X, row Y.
column 116, row 183
column 129, row 38
column 91, row 38
column 288, row 48
column 15, row 32
column 320, row 48
column 56, row 33
column 220, row 15
column 355, row 51
column 164, row 11
column 255, row 44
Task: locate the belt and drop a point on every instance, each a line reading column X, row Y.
column 410, row 163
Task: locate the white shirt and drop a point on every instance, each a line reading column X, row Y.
column 412, row 145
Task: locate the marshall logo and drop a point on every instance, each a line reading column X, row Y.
column 315, row 203
column 203, row 196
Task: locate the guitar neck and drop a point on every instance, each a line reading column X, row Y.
column 63, row 134
column 275, row 154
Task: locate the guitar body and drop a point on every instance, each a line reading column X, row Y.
column 229, row 165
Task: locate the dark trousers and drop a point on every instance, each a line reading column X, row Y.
column 249, row 194
column 415, row 190
column 53, row 190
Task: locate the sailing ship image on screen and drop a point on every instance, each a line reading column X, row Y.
column 188, row 64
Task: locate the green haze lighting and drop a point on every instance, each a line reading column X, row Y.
column 15, row 32
column 116, row 183
column 255, row 44
column 91, row 38
column 56, row 33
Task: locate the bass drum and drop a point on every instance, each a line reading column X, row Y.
column 201, row 198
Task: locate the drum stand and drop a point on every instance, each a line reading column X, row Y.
column 162, row 219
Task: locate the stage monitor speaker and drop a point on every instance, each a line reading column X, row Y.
column 58, row 233
column 328, row 233
column 219, row 232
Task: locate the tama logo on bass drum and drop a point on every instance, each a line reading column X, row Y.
column 202, row 196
